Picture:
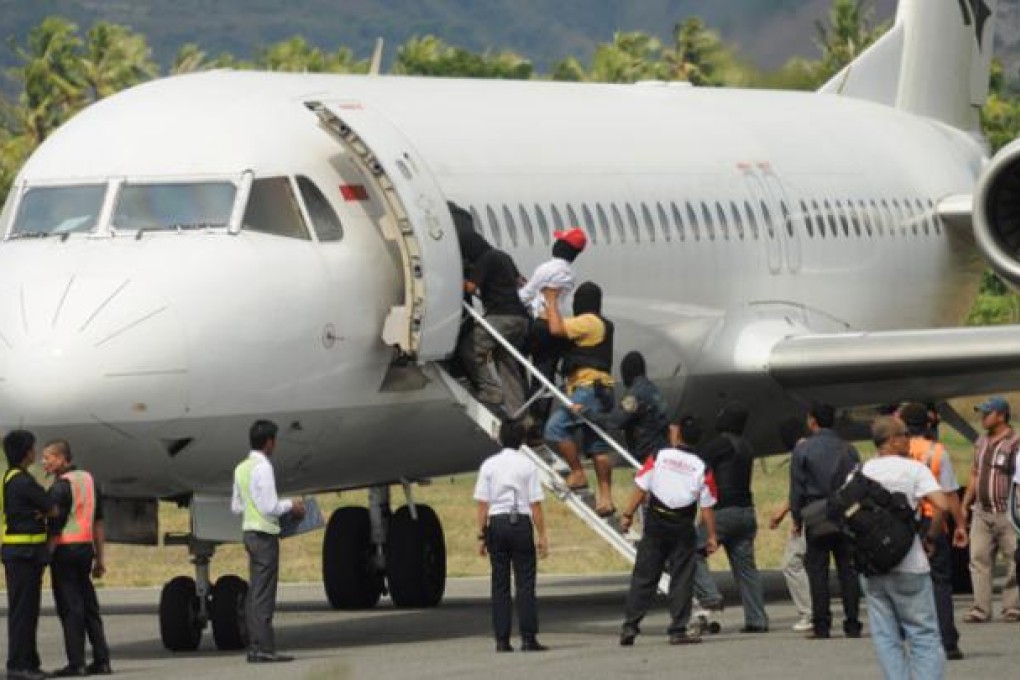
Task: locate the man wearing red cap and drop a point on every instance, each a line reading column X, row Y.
column 556, row 274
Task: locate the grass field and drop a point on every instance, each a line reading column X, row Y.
column 573, row 547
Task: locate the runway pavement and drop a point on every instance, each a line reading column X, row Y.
column 580, row 618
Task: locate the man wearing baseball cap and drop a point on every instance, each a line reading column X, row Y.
column 555, row 273
column 986, row 503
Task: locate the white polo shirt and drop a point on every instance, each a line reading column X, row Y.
column 678, row 479
column 506, row 480
column 555, row 273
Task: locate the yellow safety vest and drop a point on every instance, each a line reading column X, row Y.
column 253, row 519
column 14, row 539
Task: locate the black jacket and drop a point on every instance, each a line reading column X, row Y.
column 816, row 462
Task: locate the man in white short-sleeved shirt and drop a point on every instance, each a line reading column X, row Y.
column 509, row 497
column 901, row 603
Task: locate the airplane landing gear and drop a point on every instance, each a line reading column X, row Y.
column 187, row 605
column 362, row 547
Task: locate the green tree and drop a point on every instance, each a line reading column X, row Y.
column 431, row 56
column 1000, row 116
column 630, row 57
column 114, row 59
column 700, row 57
column 848, row 33
column 298, row 55
column 569, row 69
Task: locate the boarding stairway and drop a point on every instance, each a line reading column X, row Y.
column 552, row 468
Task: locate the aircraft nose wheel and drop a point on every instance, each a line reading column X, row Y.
column 227, row 611
column 180, row 623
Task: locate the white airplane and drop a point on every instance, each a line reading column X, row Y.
column 201, row 251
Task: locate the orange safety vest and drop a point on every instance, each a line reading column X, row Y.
column 81, row 519
column 930, row 455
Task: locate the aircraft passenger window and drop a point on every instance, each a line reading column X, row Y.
column 922, row 213
column 529, row 230
column 589, row 223
column 476, row 222
column 678, row 222
column 862, row 211
column 889, row 218
column 618, row 221
column 632, row 221
column 901, row 216
column 851, row 214
column 324, row 220
column 692, row 219
column 557, row 219
column 819, row 220
column 936, row 221
column 876, row 218
column 737, row 220
column 572, row 217
column 806, row 214
column 603, row 223
column 830, row 217
column 706, row 212
column 272, row 209
column 191, row 205
column 511, row 226
column 724, row 223
column 649, row 222
column 664, row 223
column 752, row 219
column 543, row 224
column 497, row 234
column 841, row 212
column 770, row 225
column 787, row 218
column 63, row 210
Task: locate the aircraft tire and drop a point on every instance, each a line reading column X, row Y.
column 416, row 558
column 179, row 624
column 229, row 627
column 348, row 575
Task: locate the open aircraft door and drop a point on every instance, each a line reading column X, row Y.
column 416, row 219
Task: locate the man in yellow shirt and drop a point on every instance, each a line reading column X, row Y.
column 586, row 365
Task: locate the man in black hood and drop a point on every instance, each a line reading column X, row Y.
column 493, row 276
column 641, row 413
column 730, row 456
column 586, row 365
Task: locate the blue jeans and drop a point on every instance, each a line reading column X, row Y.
column 904, row 626
column 563, row 422
column 736, row 529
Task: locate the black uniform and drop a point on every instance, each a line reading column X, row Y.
column 25, row 556
column 73, row 592
column 641, row 414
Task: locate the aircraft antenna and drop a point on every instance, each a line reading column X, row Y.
column 375, row 65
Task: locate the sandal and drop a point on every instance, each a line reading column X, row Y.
column 605, row 513
column 974, row 616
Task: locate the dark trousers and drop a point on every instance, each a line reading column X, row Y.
column 941, row 562
column 512, row 545
column 816, row 563
column 546, row 352
column 78, row 608
column 24, row 592
column 663, row 543
column 264, row 571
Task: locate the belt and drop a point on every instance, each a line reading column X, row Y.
column 688, row 512
column 24, row 539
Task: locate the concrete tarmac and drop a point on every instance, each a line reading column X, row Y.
column 580, row 619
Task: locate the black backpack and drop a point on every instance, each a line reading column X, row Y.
column 880, row 523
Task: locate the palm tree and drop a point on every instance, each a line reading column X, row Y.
column 114, row 59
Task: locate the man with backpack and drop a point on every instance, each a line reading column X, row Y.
column 818, row 464
column 901, row 601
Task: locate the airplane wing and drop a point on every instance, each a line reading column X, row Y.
column 884, row 367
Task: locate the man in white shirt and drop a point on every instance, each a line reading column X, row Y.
column 509, row 499
column 901, row 603
column 555, row 273
column 675, row 482
column 256, row 500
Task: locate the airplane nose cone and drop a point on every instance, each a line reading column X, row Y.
column 78, row 349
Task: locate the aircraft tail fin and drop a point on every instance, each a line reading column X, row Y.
column 933, row 62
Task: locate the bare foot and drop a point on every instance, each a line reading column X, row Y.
column 576, row 479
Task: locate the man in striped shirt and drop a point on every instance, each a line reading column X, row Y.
column 986, row 502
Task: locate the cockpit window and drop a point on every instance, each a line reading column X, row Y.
column 324, row 220
column 58, row 210
column 272, row 209
column 203, row 205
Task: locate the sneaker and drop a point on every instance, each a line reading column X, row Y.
column 627, row 637
column 804, row 624
column 99, row 668
column 533, row 645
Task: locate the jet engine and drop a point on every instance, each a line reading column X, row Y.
column 997, row 214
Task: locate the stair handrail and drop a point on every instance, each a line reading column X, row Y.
column 545, row 382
